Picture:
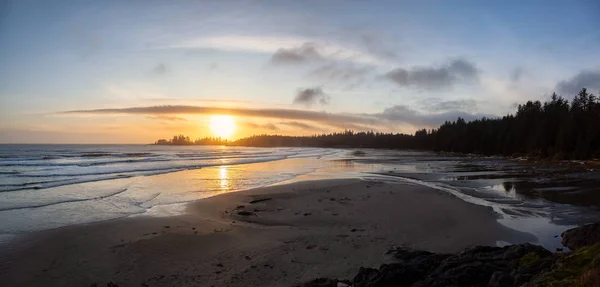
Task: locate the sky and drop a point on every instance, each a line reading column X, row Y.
column 135, row 71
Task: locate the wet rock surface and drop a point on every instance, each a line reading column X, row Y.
column 581, row 236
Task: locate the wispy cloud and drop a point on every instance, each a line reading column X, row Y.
column 166, row 118
column 584, row 79
column 255, row 44
column 435, row 77
column 289, row 114
column 300, row 125
column 311, row 96
column 439, row 106
column 404, row 114
column 307, row 52
column 268, row 126
column 212, row 101
column 159, row 70
column 284, row 49
column 342, row 72
column 395, row 116
column 516, row 74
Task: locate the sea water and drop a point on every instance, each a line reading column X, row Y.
column 50, row 186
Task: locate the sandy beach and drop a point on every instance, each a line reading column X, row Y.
column 280, row 235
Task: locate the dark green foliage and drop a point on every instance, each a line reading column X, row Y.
column 556, row 129
column 183, row 140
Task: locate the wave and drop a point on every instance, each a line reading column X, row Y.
column 43, row 167
column 64, row 201
column 101, row 176
column 190, row 157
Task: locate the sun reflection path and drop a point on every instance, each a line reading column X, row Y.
column 224, row 178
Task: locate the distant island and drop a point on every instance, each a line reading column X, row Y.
column 558, row 129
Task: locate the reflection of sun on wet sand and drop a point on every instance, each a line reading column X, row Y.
column 274, row 236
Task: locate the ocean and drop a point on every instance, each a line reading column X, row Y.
column 50, row 186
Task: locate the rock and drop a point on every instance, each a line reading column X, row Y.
column 260, row 200
column 500, row 279
column 246, row 213
column 325, row 282
column 581, row 236
column 480, row 266
column 397, row 274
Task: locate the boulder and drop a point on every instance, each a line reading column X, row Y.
column 586, row 235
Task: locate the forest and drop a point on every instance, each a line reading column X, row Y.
column 557, row 129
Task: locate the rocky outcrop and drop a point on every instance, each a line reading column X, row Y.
column 480, row 266
column 581, row 236
column 516, row 265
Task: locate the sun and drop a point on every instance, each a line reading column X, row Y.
column 222, row 126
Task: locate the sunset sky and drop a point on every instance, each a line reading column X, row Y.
column 136, row 71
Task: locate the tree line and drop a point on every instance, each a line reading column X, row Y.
column 557, row 128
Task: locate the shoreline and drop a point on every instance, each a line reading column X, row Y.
column 283, row 235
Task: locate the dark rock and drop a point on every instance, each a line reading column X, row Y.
column 581, row 236
column 480, row 266
column 246, row 213
column 260, row 200
column 324, row 282
column 397, row 274
column 500, row 279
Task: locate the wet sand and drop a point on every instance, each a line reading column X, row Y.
column 274, row 236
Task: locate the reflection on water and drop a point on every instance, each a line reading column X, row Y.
column 158, row 195
column 223, row 178
column 507, row 188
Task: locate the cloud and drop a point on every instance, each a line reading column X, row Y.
column 437, row 105
column 269, row 126
column 342, row 72
column 336, row 120
column 288, row 47
column 391, row 118
column 311, row 96
column 404, row 114
column 433, row 78
column 327, row 63
column 375, row 45
column 166, row 118
column 300, row 125
column 159, row 69
column 584, row 79
column 213, row 101
column 516, row 74
column 257, row 44
column 299, row 55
